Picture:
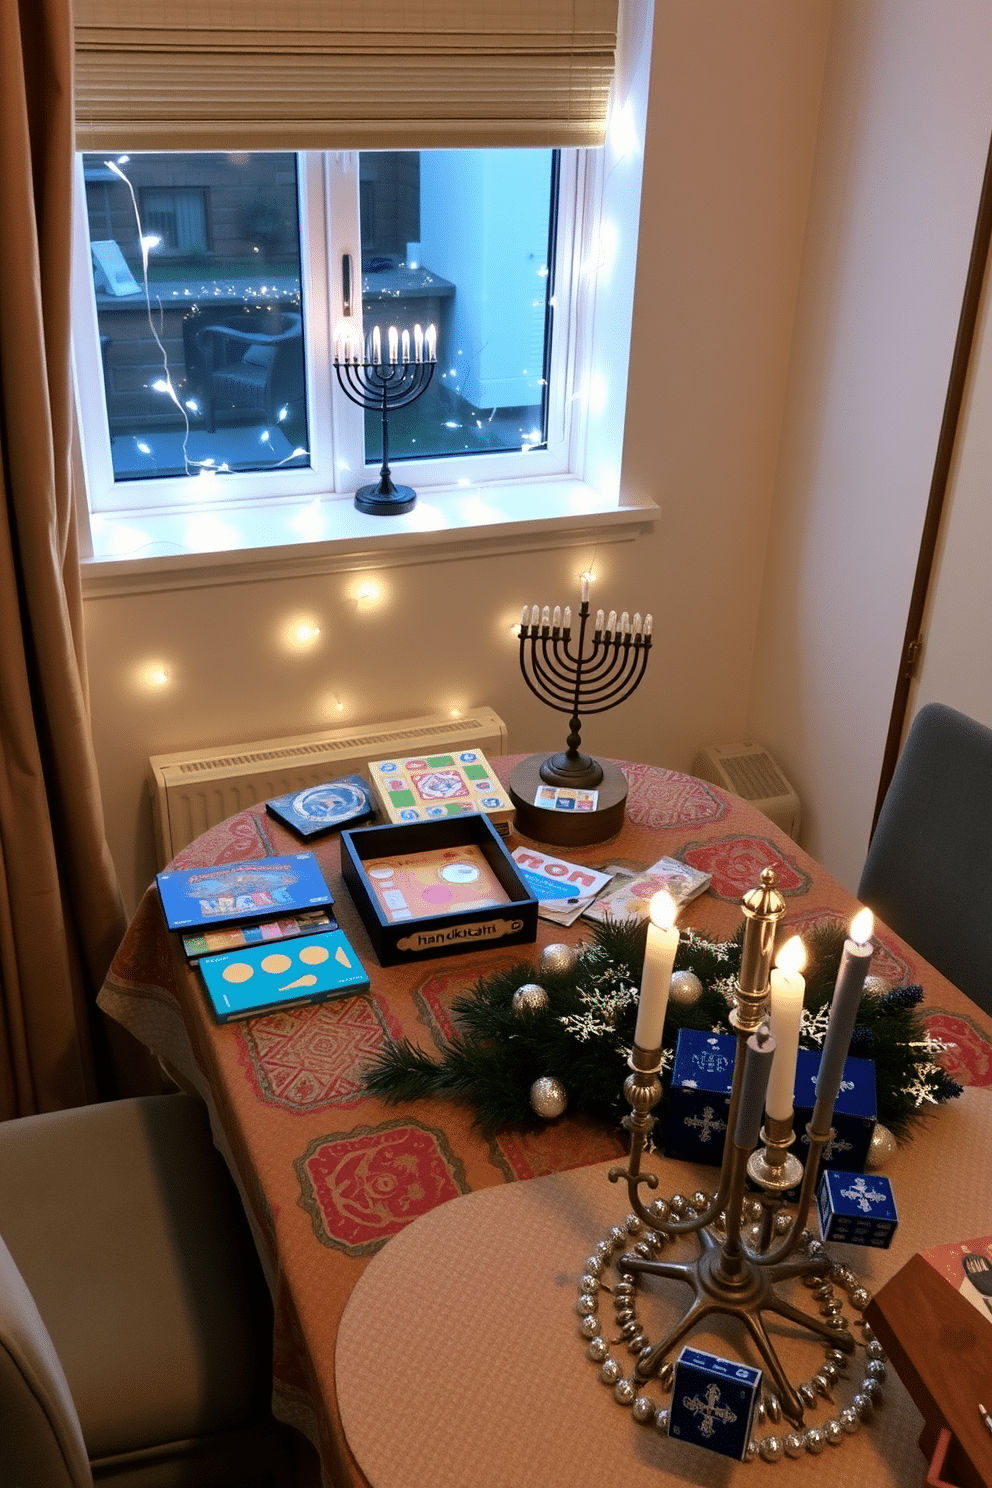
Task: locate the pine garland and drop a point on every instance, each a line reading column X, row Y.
column 584, row 1034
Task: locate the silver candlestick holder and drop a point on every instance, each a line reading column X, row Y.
column 748, row 1244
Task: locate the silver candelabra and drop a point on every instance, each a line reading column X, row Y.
column 748, row 1245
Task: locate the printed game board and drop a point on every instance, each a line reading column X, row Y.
column 423, row 885
column 259, row 979
column 434, row 786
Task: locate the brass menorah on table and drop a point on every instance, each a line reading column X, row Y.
column 579, row 677
column 384, row 386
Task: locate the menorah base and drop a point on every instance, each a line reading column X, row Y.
column 567, row 828
column 577, row 771
column 385, row 503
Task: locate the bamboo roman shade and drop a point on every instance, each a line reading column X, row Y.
column 319, row 74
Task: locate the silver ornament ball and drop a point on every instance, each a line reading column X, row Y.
column 547, row 1097
column 685, row 988
column 557, row 960
column 881, row 1147
column 530, row 998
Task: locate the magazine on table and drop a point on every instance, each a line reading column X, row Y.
column 563, row 890
column 629, row 895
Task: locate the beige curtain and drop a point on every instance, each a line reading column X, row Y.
column 60, row 912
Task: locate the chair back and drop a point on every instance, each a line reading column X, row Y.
column 41, row 1444
column 928, row 872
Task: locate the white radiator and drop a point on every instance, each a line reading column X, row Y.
column 751, row 773
column 194, row 790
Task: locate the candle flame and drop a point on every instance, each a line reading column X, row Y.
column 862, row 926
column 792, row 957
column 663, row 910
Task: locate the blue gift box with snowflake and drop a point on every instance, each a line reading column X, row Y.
column 713, row 1402
column 699, row 1096
column 857, row 1208
column 854, row 1115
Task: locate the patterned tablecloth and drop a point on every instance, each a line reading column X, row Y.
column 328, row 1174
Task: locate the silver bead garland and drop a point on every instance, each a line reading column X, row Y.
column 630, row 1392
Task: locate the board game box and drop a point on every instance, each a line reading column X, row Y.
column 436, row 888
column 207, row 942
column 322, row 808
column 260, row 979
column 262, row 888
column 437, row 787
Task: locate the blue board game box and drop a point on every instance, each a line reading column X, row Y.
column 260, row 888
column 854, row 1115
column 857, row 1208
column 699, row 1095
column 321, row 808
column 260, row 979
column 713, row 1402
column 699, row 1102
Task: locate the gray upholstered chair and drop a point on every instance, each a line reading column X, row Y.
column 928, row 872
column 135, row 1328
column 246, row 368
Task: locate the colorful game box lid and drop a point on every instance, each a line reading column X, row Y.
column 254, row 890
column 321, row 808
column 259, row 979
column 432, row 787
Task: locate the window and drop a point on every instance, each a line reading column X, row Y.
column 210, row 286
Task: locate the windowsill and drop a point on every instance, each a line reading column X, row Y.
column 190, row 549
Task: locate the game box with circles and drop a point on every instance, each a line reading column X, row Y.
column 436, row 889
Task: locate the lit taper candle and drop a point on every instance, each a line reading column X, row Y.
column 848, row 988
column 787, row 987
column 759, row 1052
column 586, row 586
column 656, row 978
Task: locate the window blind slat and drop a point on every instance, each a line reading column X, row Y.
column 441, row 73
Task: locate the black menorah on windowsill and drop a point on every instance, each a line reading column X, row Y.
column 590, row 679
column 383, row 387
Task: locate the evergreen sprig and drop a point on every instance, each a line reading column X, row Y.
column 584, row 1034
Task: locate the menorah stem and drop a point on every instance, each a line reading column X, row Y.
column 572, row 769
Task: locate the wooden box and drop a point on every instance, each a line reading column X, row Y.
column 436, row 889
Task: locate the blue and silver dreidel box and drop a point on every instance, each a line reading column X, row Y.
column 857, row 1208
column 854, row 1114
column 713, row 1402
column 699, row 1095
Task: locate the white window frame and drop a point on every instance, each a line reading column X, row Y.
column 329, row 193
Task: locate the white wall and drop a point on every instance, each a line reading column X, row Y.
column 905, row 130
column 734, row 106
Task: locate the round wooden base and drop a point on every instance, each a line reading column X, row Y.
column 567, row 828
